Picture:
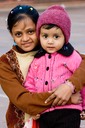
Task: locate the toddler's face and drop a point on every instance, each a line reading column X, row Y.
column 24, row 34
column 51, row 39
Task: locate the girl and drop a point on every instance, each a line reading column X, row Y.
column 54, row 63
column 21, row 24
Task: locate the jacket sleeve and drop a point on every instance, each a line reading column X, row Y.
column 78, row 78
column 32, row 103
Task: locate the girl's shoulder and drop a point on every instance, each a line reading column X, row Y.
column 3, row 58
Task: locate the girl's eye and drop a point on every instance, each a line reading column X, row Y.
column 30, row 32
column 18, row 34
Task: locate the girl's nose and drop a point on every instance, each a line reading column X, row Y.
column 25, row 37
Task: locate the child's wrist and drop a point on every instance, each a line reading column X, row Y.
column 67, row 82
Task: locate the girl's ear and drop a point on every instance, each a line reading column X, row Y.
column 14, row 44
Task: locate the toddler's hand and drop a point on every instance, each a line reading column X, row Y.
column 76, row 98
column 82, row 115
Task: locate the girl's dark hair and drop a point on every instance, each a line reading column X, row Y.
column 20, row 12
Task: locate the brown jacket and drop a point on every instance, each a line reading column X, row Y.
column 11, row 82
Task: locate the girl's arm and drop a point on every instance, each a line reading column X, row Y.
column 31, row 103
column 78, row 78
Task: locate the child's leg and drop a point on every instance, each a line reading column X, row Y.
column 65, row 118
column 70, row 119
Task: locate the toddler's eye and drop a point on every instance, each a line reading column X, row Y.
column 56, row 36
column 45, row 36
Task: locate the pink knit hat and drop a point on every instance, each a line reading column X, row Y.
column 57, row 15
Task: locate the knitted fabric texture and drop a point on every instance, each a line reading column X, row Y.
column 57, row 15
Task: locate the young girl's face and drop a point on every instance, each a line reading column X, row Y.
column 24, row 34
column 52, row 39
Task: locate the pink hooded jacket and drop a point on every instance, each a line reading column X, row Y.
column 50, row 71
